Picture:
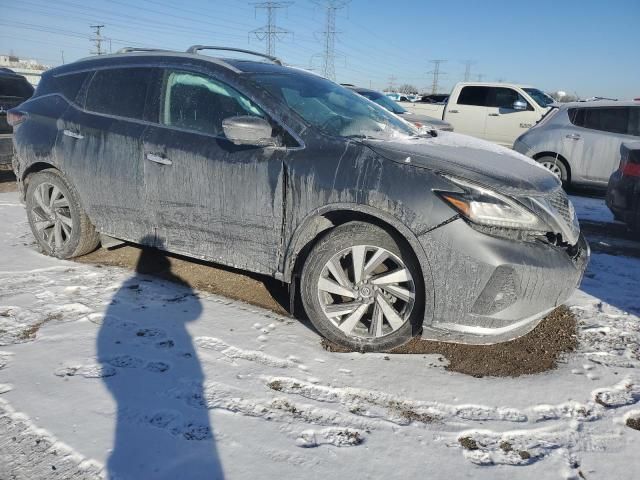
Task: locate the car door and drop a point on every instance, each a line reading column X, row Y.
column 504, row 122
column 100, row 148
column 593, row 141
column 208, row 197
column 469, row 113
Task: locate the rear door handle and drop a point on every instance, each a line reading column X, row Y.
column 494, row 114
column 453, row 111
column 72, row 134
column 158, row 159
column 574, row 136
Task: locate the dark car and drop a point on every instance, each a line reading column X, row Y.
column 418, row 120
column 14, row 89
column 435, row 98
column 623, row 190
column 251, row 164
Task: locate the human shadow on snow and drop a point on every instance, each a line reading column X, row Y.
column 150, row 366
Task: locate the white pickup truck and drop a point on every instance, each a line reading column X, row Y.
column 498, row 112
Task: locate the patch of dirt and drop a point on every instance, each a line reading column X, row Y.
column 535, row 352
column 7, row 181
column 468, row 443
column 633, row 422
column 255, row 289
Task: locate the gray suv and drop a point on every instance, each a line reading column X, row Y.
column 383, row 231
column 581, row 142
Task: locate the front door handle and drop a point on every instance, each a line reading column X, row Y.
column 72, row 134
column 494, row 114
column 453, row 111
column 574, row 136
column 158, row 159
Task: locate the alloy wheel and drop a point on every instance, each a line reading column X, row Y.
column 52, row 216
column 366, row 291
column 554, row 168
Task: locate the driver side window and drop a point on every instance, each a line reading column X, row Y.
column 198, row 102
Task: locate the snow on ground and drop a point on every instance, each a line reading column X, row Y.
column 104, row 370
column 592, row 209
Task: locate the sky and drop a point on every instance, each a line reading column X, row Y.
column 585, row 48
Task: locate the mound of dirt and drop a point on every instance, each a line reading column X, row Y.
column 536, row 352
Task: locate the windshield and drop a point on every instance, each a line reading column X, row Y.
column 331, row 108
column 540, row 97
column 383, row 101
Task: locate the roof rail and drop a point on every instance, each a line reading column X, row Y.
column 197, row 48
column 139, row 49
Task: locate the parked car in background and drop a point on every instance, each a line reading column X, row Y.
column 498, row 112
column 623, row 190
column 440, row 98
column 14, row 89
column 581, row 142
column 282, row 172
column 420, row 121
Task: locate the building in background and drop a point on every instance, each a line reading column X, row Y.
column 31, row 69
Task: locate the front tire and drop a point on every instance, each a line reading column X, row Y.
column 555, row 166
column 362, row 289
column 56, row 217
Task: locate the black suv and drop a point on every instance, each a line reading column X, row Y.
column 279, row 171
column 14, row 89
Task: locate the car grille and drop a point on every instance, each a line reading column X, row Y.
column 561, row 205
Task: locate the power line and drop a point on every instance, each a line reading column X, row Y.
column 436, row 74
column 270, row 32
column 97, row 39
column 329, row 35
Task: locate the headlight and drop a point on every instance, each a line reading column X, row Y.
column 486, row 207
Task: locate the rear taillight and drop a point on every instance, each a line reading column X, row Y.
column 15, row 117
column 631, row 169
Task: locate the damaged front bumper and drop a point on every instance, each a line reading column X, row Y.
column 489, row 289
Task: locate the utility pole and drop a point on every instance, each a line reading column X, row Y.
column 467, row 69
column 329, row 35
column 97, row 40
column 270, row 32
column 436, row 74
column 62, row 54
column 480, row 76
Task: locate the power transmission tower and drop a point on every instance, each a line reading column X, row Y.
column 329, row 35
column 270, row 32
column 467, row 69
column 97, row 40
column 436, row 74
column 392, row 81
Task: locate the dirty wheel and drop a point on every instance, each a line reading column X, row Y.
column 57, row 220
column 363, row 290
column 555, row 166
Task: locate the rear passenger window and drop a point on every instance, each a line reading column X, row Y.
column 200, row 103
column 613, row 119
column 119, row 92
column 474, row 96
column 69, row 85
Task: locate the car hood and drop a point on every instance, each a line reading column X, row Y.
column 472, row 159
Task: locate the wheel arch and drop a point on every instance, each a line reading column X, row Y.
column 31, row 169
column 564, row 161
column 319, row 222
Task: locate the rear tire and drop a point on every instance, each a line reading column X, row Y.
column 555, row 166
column 56, row 217
column 370, row 310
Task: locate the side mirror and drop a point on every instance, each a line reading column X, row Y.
column 248, row 130
column 519, row 105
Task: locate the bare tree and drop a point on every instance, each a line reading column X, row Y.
column 407, row 88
